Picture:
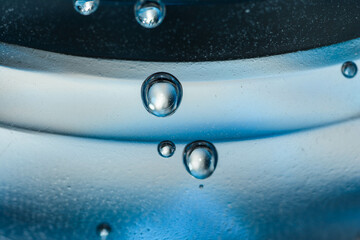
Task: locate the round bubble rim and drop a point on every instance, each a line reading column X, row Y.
column 162, row 9
column 166, row 142
column 94, row 8
column 193, row 146
column 349, row 64
column 162, row 77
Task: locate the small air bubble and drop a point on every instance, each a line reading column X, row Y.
column 103, row 230
column 200, row 159
column 349, row 69
column 161, row 94
column 166, row 149
column 149, row 13
column 86, row 7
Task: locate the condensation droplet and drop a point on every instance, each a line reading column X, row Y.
column 201, row 186
column 166, row 149
column 161, row 94
column 86, row 7
column 149, row 13
column 200, row 159
column 103, row 230
column 349, row 69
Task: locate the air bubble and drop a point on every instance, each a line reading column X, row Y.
column 200, row 159
column 103, row 230
column 149, row 13
column 161, row 94
column 166, row 149
column 86, row 7
column 349, row 69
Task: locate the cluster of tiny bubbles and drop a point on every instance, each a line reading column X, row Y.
column 149, row 13
column 103, row 230
column 200, row 159
column 86, row 7
column 166, row 149
column 161, row 94
column 349, row 69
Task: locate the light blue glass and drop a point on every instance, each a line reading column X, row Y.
column 78, row 148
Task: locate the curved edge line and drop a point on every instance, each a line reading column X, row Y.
column 181, row 140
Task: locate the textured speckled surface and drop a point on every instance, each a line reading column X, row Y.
column 190, row 32
column 227, row 100
column 297, row 186
column 78, row 148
